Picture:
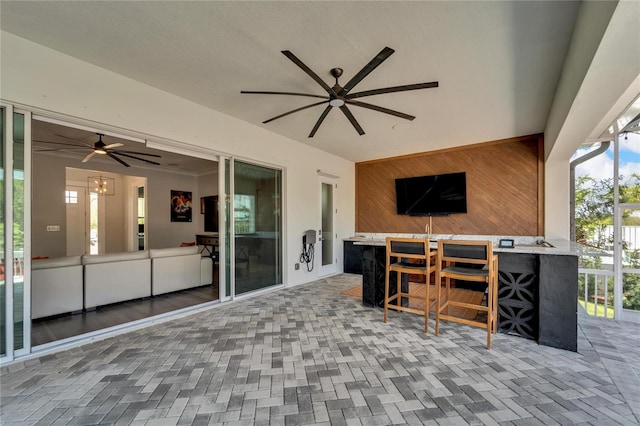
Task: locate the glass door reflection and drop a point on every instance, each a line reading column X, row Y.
column 257, row 226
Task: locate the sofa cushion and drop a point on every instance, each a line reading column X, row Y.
column 172, row 273
column 56, row 286
column 206, row 270
column 57, row 262
column 111, row 282
column 114, row 257
column 173, row 251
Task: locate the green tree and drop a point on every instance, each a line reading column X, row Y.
column 594, row 210
column 593, row 213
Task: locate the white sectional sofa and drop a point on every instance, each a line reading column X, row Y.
column 111, row 278
column 56, row 286
column 175, row 268
column 70, row 284
column 206, row 270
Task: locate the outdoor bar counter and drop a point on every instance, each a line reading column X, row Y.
column 537, row 290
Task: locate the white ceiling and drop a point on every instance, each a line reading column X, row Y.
column 497, row 63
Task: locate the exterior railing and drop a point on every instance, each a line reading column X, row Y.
column 596, row 291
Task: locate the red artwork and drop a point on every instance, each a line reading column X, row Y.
column 180, row 206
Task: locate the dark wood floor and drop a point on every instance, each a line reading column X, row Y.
column 50, row 329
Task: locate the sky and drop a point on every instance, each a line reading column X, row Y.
column 601, row 167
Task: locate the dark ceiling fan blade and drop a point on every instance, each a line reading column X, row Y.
column 75, row 140
column 136, row 153
column 36, row 149
column 372, row 65
column 292, row 111
column 89, row 156
column 310, row 73
column 140, row 159
column 380, row 109
column 256, row 92
column 352, row 119
column 117, row 159
column 320, row 120
column 393, row 89
column 58, row 143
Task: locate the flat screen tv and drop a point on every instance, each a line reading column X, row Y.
column 434, row 195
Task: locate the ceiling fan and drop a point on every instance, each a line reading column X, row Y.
column 339, row 96
column 100, row 148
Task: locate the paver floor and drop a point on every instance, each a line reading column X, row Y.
column 309, row 355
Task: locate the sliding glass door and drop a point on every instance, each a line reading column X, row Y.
column 254, row 228
column 3, row 286
column 15, row 294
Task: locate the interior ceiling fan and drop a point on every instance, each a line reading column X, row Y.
column 100, row 148
column 340, row 96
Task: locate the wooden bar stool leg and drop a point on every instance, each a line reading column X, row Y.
column 386, row 293
column 448, row 287
column 438, row 279
column 426, row 307
column 489, row 311
column 398, row 288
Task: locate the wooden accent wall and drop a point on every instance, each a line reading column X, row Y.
column 504, row 189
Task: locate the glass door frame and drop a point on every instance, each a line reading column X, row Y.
column 227, row 238
column 618, row 208
column 329, row 268
column 619, row 269
column 8, row 145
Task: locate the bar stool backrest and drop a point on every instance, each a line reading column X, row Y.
column 407, row 247
column 477, row 252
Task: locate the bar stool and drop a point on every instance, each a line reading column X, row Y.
column 408, row 256
column 468, row 261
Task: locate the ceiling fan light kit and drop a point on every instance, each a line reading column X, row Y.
column 339, row 96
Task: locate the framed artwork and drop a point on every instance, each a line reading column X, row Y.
column 181, row 209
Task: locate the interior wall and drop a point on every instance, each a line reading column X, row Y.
column 48, row 207
column 503, row 192
column 76, row 88
column 162, row 232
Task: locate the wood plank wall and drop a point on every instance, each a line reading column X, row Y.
column 504, row 189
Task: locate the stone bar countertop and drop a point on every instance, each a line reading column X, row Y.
column 523, row 244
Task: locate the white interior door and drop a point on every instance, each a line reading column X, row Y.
column 327, row 235
column 77, row 241
column 136, row 217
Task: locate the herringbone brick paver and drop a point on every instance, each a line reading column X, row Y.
column 310, row 355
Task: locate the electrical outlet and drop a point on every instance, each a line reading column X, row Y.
column 297, row 266
column 53, row 228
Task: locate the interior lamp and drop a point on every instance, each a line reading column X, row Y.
column 102, row 185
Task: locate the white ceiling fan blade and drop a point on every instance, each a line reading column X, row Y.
column 113, row 145
column 89, row 157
